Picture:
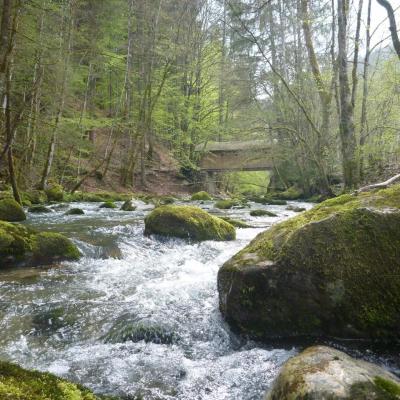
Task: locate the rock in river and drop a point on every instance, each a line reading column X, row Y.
column 187, row 222
column 22, row 246
column 17, row 383
column 321, row 372
column 11, row 211
column 331, row 271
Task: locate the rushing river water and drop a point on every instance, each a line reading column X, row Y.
column 70, row 319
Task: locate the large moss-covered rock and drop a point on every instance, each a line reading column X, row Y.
column 11, row 211
column 35, row 196
column 17, row 383
column 187, row 222
column 331, row 271
column 55, row 193
column 22, row 246
column 321, row 372
column 39, row 209
column 226, row 204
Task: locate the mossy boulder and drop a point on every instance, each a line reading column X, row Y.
column 11, row 211
column 293, row 193
column 295, row 208
column 39, row 209
column 35, row 196
column 108, row 204
column 17, row 383
column 236, row 222
column 330, row 271
column 227, row 204
column 201, row 196
column 187, row 222
column 128, row 206
column 262, row 213
column 321, row 372
column 22, row 246
column 55, row 193
column 274, row 202
column 75, row 211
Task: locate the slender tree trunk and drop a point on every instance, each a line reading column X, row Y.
column 54, row 135
column 356, row 52
column 347, row 134
column 364, row 106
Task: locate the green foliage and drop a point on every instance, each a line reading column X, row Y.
column 255, row 182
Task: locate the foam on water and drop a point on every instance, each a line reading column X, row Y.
column 57, row 319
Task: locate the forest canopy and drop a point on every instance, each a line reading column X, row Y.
column 95, row 88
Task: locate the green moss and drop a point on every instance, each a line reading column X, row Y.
column 35, row 196
column 293, row 193
column 261, row 213
column 55, row 193
column 226, row 204
column 345, row 252
column 11, row 211
column 128, row 206
column 108, row 204
column 97, row 197
column 236, row 222
column 389, row 387
column 39, row 209
column 188, row 222
column 201, row 196
column 50, row 246
column 17, row 383
column 75, row 211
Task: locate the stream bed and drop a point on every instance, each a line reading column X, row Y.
column 136, row 317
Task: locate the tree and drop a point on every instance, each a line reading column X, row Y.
column 393, row 26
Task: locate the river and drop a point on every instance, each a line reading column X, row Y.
column 73, row 319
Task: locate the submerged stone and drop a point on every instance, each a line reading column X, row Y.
column 11, row 211
column 187, row 222
column 39, row 209
column 131, row 331
column 262, row 213
column 128, row 206
column 17, row 383
column 331, row 271
column 321, row 372
column 75, row 211
column 22, row 246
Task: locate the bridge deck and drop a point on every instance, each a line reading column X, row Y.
column 236, row 156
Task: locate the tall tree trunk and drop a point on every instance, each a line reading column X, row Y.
column 364, row 106
column 324, row 93
column 356, row 51
column 347, row 134
column 60, row 110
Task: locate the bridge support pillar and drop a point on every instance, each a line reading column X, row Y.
column 210, row 183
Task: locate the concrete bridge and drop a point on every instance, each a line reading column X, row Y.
column 253, row 155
